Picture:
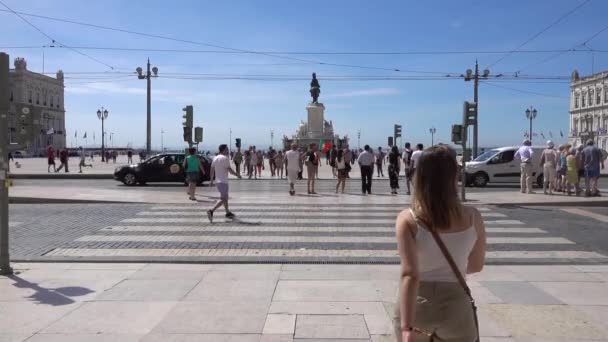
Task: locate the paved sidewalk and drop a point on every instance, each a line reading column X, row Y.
column 270, row 303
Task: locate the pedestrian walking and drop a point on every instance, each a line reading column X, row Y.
column 548, row 162
column 10, row 157
column 312, row 163
column 260, row 164
column 394, row 162
column 254, row 163
column 302, row 157
column 581, row 166
column 342, row 173
column 50, row 155
column 380, row 161
column 271, row 162
column 348, row 160
column 130, row 157
column 563, row 167
column 238, row 159
column 571, row 172
column 107, row 157
column 247, row 168
column 220, row 169
column 592, row 158
column 63, row 159
column 279, row 162
column 414, row 159
column 524, row 155
column 407, row 157
column 83, row 160
column 293, row 167
column 366, row 163
column 439, row 239
column 333, row 154
column 114, row 156
column 193, row 166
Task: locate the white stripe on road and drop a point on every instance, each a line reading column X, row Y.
column 502, row 222
column 286, row 212
column 298, row 239
column 260, row 220
column 228, row 253
column 253, row 230
column 587, row 213
column 329, row 206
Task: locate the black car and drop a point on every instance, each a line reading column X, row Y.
column 166, row 167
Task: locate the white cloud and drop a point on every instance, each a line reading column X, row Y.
column 367, row 92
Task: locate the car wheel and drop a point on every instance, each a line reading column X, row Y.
column 480, row 179
column 130, row 179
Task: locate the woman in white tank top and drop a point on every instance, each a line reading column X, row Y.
column 431, row 301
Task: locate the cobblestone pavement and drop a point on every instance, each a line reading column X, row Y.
column 284, row 232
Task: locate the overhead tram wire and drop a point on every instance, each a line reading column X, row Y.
column 525, row 91
column 355, row 53
column 536, row 35
column 53, row 40
column 584, row 43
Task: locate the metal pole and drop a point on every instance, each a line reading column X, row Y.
column 149, row 114
column 5, row 267
column 229, row 148
column 162, row 148
column 463, row 181
column 475, row 99
column 530, row 128
column 103, row 148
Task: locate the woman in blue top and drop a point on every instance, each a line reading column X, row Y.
column 192, row 165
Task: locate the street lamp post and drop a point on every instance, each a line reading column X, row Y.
column 432, row 130
column 475, row 77
column 272, row 138
column 358, row 139
column 148, row 77
column 102, row 114
column 531, row 115
column 162, row 137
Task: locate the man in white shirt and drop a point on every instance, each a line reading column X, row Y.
column 292, row 162
column 220, row 168
column 407, row 156
column 415, row 156
column 366, row 162
column 524, row 154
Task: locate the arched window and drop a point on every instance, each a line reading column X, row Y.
column 37, row 98
column 576, row 99
column 52, row 97
column 590, row 97
column 598, row 96
column 30, row 97
column 583, row 103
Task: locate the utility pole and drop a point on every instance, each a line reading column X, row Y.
column 5, row 267
column 230, row 147
column 148, row 77
column 271, row 138
column 359, row 139
column 475, row 77
column 162, row 147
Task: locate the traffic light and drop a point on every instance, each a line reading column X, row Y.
column 238, row 142
column 469, row 113
column 198, row 134
column 188, row 134
column 458, row 134
column 188, row 116
column 390, row 141
column 397, row 132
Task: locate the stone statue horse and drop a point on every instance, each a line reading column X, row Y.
column 315, row 88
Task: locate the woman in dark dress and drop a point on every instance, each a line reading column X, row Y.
column 394, row 160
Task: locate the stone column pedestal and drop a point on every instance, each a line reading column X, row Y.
column 315, row 119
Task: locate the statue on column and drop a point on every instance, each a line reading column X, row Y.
column 315, row 88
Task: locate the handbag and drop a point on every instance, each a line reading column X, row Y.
column 457, row 273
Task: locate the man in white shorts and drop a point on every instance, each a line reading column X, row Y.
column 220, row 168
column 292, row 161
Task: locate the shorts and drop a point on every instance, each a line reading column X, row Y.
column 222, row 188
column 592, row 173
column 342, row 173
column 51, row 161
column 192, row 177
column 292, row 176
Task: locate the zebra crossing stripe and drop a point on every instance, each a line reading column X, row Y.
column 316, row 253
column 333, row 206
column 322, row 213
column 299, row 239
column 314, row 219
column 245, row 229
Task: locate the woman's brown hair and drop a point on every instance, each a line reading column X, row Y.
column 435, row 199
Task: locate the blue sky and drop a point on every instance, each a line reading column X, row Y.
column 253, row 108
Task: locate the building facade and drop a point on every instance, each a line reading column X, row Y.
column 37, row 112
column 589, row 109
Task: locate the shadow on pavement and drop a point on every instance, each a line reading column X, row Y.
column 56, row 297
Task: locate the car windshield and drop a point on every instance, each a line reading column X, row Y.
column 486, row 155
column 151, row 159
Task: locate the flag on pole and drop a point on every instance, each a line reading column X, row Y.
column 84, row 136
column 543, row 135
column 75, row 134
column 561, row 133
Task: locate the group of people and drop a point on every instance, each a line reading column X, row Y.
column 564, row 168
column 64, row 158
column 253, row 162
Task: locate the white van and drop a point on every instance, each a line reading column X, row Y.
column 500, row 166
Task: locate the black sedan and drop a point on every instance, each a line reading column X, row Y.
column 166, row 167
